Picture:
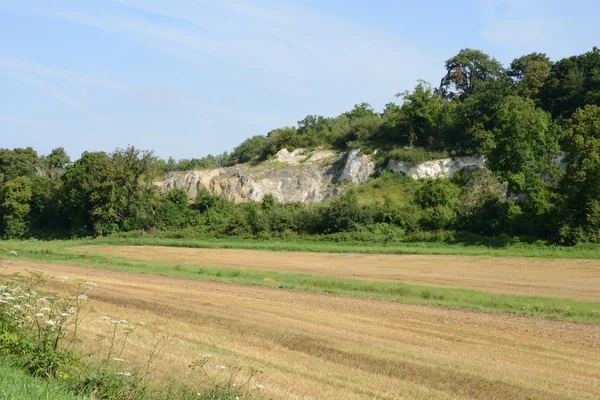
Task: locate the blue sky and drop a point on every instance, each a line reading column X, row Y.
column 190, row 77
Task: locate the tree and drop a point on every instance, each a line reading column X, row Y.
column 530, row 73
column 360, row 111
column 17, row 162
column 419, row 116
column 573, row 83
column 251, row 149
column 56, row 162
column 526, row 145
column 105, row 193
column 581, row 183
column 14, row 207
column 467, row 70
column 472, row 120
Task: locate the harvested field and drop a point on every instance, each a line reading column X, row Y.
column 558, row 278
column 321, row 346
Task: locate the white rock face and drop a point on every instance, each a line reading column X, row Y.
column 358, row 168
column 293, row 158
column 296, row 177
column 302, row 178
column 444, row 168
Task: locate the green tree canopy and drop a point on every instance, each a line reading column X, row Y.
column 526, row 145
column 581, row 183
column 573, row 83
column 467, row 70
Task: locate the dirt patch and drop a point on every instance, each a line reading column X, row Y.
column 572, row 279
column 318, row 346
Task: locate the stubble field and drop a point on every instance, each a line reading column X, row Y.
column 314, row 345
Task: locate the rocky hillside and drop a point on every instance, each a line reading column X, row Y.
column 304, row 177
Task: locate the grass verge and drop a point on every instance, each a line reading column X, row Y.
column 457, row 298
column 588, row 251
column 16, row 384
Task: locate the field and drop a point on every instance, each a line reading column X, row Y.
column 572, row 279
column 311, row 344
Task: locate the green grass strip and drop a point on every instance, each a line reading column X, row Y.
column 449, row 297
column 314, row 245
column 585, row 251
column 17, row 385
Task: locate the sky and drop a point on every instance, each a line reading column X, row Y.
column 186, row 78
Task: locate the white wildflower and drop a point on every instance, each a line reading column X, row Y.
column 124, row 373
column 64, row 315
column 221, row 367
column 118, row 359
column 28, row 317
column 206, row 355
column 123, row 321
column 39, row 315
column 105, row 317
column 9, row 298
column 63, row 278
column 259, row 387
column 91, row 284
column 82, row 297
column 114, row 321
column 50, row 322
column 45, row 309
column 18, row 307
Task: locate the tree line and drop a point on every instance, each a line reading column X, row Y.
column 536, row 121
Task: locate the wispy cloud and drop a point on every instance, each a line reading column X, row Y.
column 42, row 70
column 290, row 47
column 50, row 90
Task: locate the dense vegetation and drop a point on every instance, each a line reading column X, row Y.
column 524, row 119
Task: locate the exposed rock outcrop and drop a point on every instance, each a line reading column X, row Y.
column 288, row 177
column 296, row 176
column 358, row 168
column 444, row 168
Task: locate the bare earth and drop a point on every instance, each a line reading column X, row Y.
column 573, row 279
column 318, row 346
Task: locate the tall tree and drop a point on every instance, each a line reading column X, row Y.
column 14, row 207
column 17, row 162
column 581, row 183
column 419, row 120
column 526, row 145
column 530, row 73
column 573, row 83
column 467, row 70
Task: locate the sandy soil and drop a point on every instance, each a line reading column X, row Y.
column 321, row 346
column 573, row 279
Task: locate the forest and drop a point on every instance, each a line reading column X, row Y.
column 537, row 122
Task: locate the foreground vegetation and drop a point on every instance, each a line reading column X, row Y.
column 60, row 252
column 42, row 354
column 537, row 122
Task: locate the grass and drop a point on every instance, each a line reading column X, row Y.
column 582, row 251
column 400, row 188
column 17, row 385
column 58, row 252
